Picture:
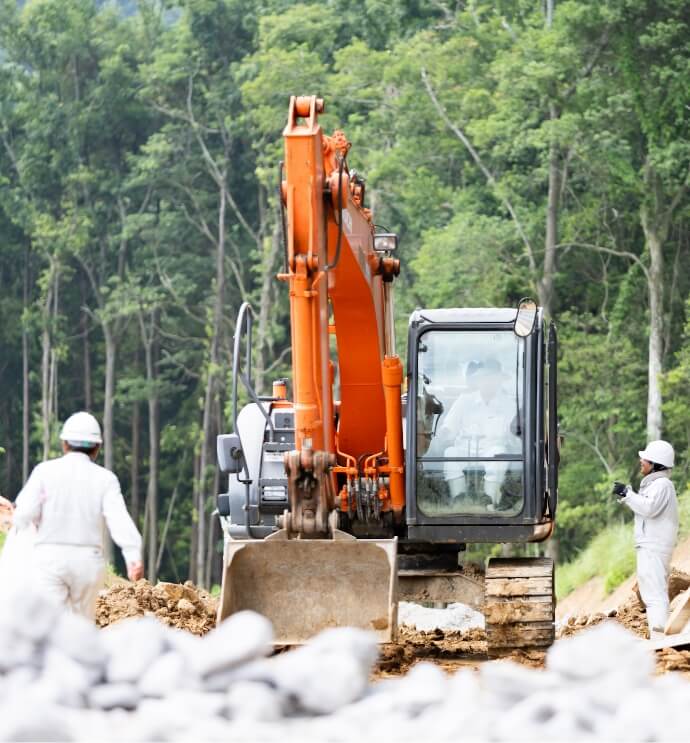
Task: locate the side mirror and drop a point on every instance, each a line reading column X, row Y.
column 229, row 453
column 525, row 318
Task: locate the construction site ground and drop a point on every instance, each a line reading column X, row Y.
column 186, row 607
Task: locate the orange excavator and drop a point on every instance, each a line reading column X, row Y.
column 355, row 494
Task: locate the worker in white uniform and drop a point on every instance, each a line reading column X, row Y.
column 69, row 500
column 482, row 423
column 656, row 528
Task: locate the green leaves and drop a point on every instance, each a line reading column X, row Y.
column 118, row 136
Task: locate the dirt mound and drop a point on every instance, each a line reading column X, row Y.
column 183, row 606
column 673, row 659
column 449, row 649
column 631, row 613
column 473, row 570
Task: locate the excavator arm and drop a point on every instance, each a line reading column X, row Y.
column 339, row 284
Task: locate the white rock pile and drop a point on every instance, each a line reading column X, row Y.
column 61, row 679
column 456, row 617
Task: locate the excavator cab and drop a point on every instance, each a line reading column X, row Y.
column 477, row 428
column 482, row 462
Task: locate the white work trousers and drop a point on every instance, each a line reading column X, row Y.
column 652, row 578
column 69, row 575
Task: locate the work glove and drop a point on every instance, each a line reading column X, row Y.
column 620, row 490
column 135, row 571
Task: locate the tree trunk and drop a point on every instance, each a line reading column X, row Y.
column 45, row 391
column 9, row 457
column 193, row 545
column 203, row 464
column 150, row 343
column 108, row 401
column 154, row 466
column 263, row 330
column 108, row 427
column 47, row 362
column 656, row 334
column 210, row 391
column 551, row 240
column 213, row 521
column 54, row 353
column 655, row 216
column 134, row 462
column 152, row 491
column 86, row 350
column 26, row 401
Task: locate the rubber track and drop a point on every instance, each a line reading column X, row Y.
column 519, row 604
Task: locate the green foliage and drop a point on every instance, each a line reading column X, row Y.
column 611, row 554
column 120, row 133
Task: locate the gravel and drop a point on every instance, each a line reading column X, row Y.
column 139, row 680
column 457, row 617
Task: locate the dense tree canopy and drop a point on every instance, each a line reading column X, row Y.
column 527, row 148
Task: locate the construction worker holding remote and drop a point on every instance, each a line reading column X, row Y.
column 656, row 529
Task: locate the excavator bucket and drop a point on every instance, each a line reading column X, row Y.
column 306, row 585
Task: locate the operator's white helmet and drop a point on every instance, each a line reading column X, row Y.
column 81, row 429
column 658, row 452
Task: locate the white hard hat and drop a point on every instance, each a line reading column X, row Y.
column 658, row 452
column 81, row 429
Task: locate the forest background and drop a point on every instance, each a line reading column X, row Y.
column 517, row 147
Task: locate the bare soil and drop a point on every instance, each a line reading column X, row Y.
column 449, row 649
column 193, row 609
column 182, row 606
column 631, row 614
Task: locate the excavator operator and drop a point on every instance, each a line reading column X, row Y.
column 481, row 424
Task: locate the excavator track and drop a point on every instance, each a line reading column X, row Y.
column 519, row 605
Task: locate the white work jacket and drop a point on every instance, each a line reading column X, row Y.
column 482, row 428
column 656, row 512
column 70, row 498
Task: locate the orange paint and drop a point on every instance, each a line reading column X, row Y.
column 368, row 440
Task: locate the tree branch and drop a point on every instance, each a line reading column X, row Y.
column 491, row 180
column 589, row 67
column 602, row 249
column 591, row 446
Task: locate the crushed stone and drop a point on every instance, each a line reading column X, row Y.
column 457, row 617
column 599, row 684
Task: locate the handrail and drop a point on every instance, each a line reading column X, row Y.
column 243, row 326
